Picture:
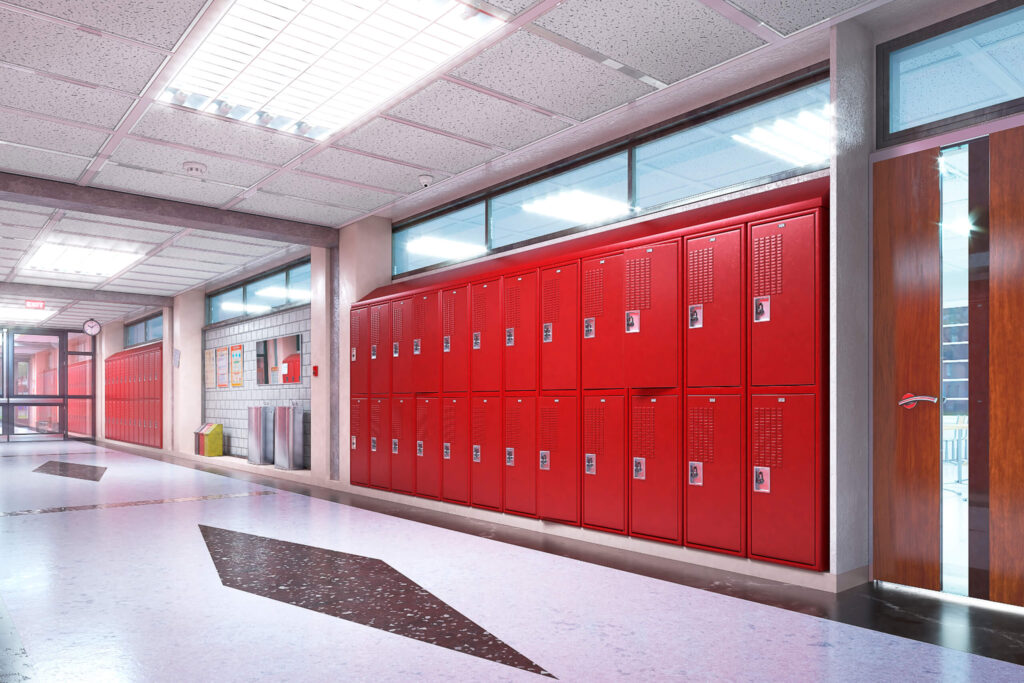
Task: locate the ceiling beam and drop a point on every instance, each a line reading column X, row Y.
column 52, row 194
column 78, row 294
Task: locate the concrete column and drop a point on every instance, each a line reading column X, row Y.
column 109, row 341
column 320, row 357
column 188, row 318
column 167, row 373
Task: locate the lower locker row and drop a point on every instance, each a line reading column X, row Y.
column 640, row 472
column 135, row 421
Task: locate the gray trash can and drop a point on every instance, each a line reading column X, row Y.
column 288, row 439
column 261, row 435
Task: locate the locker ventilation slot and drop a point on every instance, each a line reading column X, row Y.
column 643, row 431
column 481, row 302
column 768, row 265
column 638, row 283
column 549, row 419
column 353, row 329
column 448, row 314
column 397, row 320
column 479, row 418
column 422, row 418
column 701, row 276
column 512, row 420
column 420, row 316
column 375, row 409
column 593, row 293
column 552, row 295
column 449, row 422
column 374, row 326
column 701, row 434
column 593, row 429
column 396, row 426
column 512, row 306
column 768, row 437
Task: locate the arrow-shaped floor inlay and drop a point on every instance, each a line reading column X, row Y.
column 360, row 589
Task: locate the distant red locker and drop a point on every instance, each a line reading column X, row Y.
column 455, row 449
column 520, row 439
column 426, row 343
column 428, row 447
column 402, row 445
column 359, row 354
column 359, row 442
column 559, row 318
column 520, row 331
column 380, row 349
column 602, row 332
column 380, row 443
column 650, row 318
column 714, row 472
column 713, row 315
column 487, row 459
column 455, row 339
column 785, row 516
column 400, row 349
column 782, row 310
column 604, row 462
column 486, row 337
column 655, row 492
column 558, row 468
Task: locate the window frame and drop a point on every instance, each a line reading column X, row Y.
column 242, row 284
column 145, row 330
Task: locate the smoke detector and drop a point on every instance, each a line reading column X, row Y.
column 194, row 168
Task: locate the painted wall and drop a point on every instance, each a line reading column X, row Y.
column 187, row 378
column 109, row 341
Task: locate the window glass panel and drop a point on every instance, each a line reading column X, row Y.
column 79, row 375
column 80, row 417
column 155, row 328
column 792, row 132
column 266, row 294
column 455, row 236
column 299, row 279
column 594, row 194
column 36, row 365
column 79, row 342
column 35, row 420
column 135, row 334
column 226, row 305
column 970, row 68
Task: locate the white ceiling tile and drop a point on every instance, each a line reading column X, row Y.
column 789, row 17
column 170, row 159
column 120, row 232
column 27, row 208
column 417, row 146
column 45, row 45
column 22, row 218
column 44, row 95
column 164, row 185
column 17, row 232
column 27, row 130
column 219, row 135
column 328, row 192
column 456, row 109
column 216, row 244
column 40, row 163
column 295, row 209
column 551, row 76
column 346, row 165
column 667, row 39
column 514, row 6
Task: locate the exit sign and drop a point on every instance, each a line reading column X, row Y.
column 29, row 303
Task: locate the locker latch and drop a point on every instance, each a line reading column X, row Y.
column 476, row 340
column 476, row 453
column 373, row 352
column 419, row 449
column 763, row 479
column 510, row 457
column 696, row 316
column 353, row 443
column 696, row 474
column 394, row 446
column 447, row 344
column 394, row 349
column 447, row 451
column 545, row 460
column 353, row 354
column 588, row 328
column 639, row 468
column 632, row 322
column 590, row 463
column 762, row 309
column 373, row 444
column 510, row 336
column 415, row 347
column 548, row 333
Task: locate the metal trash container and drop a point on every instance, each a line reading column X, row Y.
column 261, row 435
column 288, row 438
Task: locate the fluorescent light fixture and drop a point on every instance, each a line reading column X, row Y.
column 312, row 67
column 449, row 250
column 578, row 207
column 238, row 307
column 958, row 226
column 285, row 293
column 53, row 257
column 13, row 314
column 802, row 140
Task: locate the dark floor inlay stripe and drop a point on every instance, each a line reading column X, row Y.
column 104, row 506
column 71, row 470
column 360, row 589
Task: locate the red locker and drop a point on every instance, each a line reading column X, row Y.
column 402, row 445
column 428, row 447
column 714, row 472
column 604, row 462
column 655, row 503
column 400, row 348
column 359, row 446
column 455, row 449
column 783, row 288
column 426, row 344
column 486, row 456
column 380, row 442
column 520, row 335
column 455, row 339
column 602, row 330
column 359, row 366
column 486, row 338
column 520, row 439
column 380, row 349
column 713, row 316
column 558, row 470
column 785, row 519
column 559, row 318
column 650, row 319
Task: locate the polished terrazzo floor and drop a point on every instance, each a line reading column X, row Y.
column 159, row 572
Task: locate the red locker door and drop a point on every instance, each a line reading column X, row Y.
column 558, row 470
column 380, row 349
column 359, row 442
column 486, row 338
column 785, row 522
column 520, row 439
column 783, row 256
column 602, row 330
column 359, row 354
column 604, row 462
column 486, row 457
column 402, row 445
column 713, row 316
column 651, row 316
column 400, row 348
column 655, row 503
column 455, row 449
column 559, row 318
column 380, row 442
column 428, row 447
column 520, row 331
column 455, row 339
column 714, row 472
column 426, row 344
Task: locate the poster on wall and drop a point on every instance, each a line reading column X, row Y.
column 236, row 365
column 222, row 367
column 210, row 367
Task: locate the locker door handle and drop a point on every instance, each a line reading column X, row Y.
column 910, row 400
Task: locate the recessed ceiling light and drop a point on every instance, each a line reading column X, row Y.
column 577, row 207
column 14, row 314
column 52, row 257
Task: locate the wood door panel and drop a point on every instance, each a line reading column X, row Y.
column 907, row 358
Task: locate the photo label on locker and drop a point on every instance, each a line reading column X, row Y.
column 762, row 309
column 590, row 463
column 353, row 354
column 415, row 347
column 632, row 322
column 639, row 468
column 419, row 449
column 476, row 340
column 447, row 344
column 510, row 457
column 545, row 460
column 763, row 479
column 588, row 328
column 696, row 316
column 394, row 349
column 447, row 451
column 476, row 453
column 373, row 444
column 696, row 474
column 394, row 446
column 548, row 333
column 373, row 352
column 510, row 336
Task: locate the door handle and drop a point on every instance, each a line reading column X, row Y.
column 910, row 400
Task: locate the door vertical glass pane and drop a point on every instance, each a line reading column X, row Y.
column 36, row 365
